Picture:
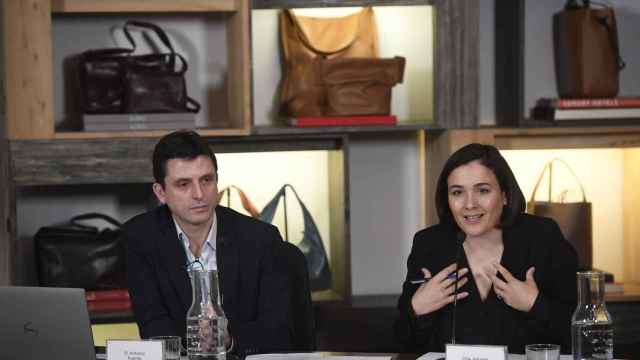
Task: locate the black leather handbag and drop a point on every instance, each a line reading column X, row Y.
column 311, row 243
column 116, row 81
column 81, row 256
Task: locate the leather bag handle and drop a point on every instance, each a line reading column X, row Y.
column 93, row 216
column 143, row 24
column 244, row 200
column 548, row 167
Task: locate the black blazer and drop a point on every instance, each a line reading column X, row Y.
column 255, row 290
column 530, row 241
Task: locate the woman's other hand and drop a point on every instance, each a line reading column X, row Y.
column 437, row 292
column 520, row 295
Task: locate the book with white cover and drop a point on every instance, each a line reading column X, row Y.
column 115, row 122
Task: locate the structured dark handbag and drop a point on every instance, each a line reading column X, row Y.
column 116, row 81
column 311, row 243
column 77, row 255
column 573, row 218
column 587, row 52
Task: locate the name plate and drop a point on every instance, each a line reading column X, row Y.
column 475, row 352
column 135, row 350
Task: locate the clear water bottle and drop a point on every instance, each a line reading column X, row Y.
column 206, row 321
column 591, row 324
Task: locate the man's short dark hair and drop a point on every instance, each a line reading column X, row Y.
column 490, row 157
column 181, row 144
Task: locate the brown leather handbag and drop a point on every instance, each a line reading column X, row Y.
column 331, row 66
column 587, row 53
column 360, row 86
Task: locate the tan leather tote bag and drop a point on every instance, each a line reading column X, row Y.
column 306, row 42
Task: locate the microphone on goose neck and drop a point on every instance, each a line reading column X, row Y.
column 460, row 236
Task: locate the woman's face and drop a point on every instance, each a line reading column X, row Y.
column 475, row 198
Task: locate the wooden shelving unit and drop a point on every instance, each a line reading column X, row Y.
column 28, row 63
column 34, row 153
column 118, row 6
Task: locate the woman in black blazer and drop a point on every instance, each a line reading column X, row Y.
column 516, row 272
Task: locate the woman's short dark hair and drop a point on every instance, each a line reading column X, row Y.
column 181, row 144
column 490, row 157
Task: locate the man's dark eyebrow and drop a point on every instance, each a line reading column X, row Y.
column 182, row 179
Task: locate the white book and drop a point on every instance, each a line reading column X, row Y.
column 138, row 118
column 589, row 114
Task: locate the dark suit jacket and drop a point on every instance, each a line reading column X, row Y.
column 255, row 290
column 530, row 241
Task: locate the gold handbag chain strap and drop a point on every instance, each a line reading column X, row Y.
column 549, row 167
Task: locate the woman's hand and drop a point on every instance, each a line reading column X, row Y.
column 437, row 292
column 520, row 295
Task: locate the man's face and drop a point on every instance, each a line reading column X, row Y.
column 190, row 190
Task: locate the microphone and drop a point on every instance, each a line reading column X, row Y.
column 460, row 236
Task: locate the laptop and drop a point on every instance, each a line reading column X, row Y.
column 42, row 323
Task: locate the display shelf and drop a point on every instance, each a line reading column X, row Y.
column 275, row 4
column 29, row 70
column 102, row 6
column 631, row 293
column 57, row 163
column 109, row 161
column 141, row 133
column 289, row 130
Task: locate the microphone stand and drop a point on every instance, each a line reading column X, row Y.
column 460, row 236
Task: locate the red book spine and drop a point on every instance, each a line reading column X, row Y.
column 102, row 295
column 619, row 102
column 108, row 305
column 344, row 121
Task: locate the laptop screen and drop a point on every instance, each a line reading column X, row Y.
column 41, row 323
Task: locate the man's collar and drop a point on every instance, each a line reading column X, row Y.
column 211, row 235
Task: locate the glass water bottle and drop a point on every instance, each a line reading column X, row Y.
column 206, row 322
column 591, row 324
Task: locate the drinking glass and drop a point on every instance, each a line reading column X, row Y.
column 171, row 346
column 543, row 352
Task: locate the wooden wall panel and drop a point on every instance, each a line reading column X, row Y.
column 239, row 75
column 340, row 248
column 456, row 80
column 5, row 235
column 28, row 68
column 631, row 215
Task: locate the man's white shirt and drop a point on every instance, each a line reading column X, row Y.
column 208, row 252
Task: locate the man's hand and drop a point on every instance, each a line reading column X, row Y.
column 520, row 295
column 437, row 292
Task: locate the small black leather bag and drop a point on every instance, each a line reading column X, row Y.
column 81, row 256
column 116, row 81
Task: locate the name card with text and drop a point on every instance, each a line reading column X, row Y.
column 475, row 352
column 135, row 350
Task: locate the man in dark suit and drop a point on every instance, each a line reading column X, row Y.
column 190, row 228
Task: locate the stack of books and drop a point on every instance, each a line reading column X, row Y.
column 388, row 120
column 587, row 109
column 122, row 122
column 108, row 301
